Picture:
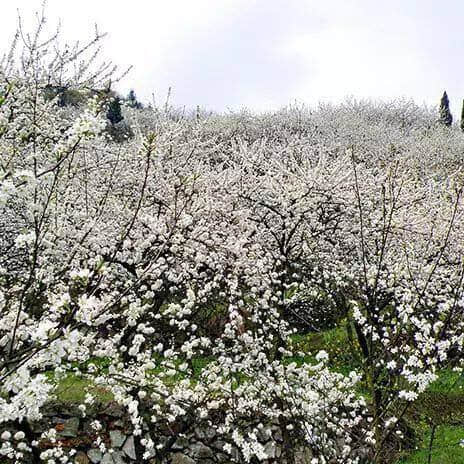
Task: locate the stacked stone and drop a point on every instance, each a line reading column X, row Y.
column 202, row 445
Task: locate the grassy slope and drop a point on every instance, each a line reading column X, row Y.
column 442, row 405
column 446, row 449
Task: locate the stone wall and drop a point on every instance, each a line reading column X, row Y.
column 74, row 431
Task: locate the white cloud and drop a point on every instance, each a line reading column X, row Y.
column 265, row 53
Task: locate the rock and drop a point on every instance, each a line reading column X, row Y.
column 81, row 458
column 68, row 409
column 161, row 440
column 364, row 453
column 264, row 434
column 151, row 453
column 203, row 433
column 234, row 452
column 95, row 455
column 117, row 438
column 114, row 410
column 50, row 409
column 67, row 427
column 303, row 456
column 118, row 457
column 270, row 450
column 86, row 426
column 200, row 451
column 107, row 459
column 39, row 426
column 179, row 458
column 219, row 457
column 180, row 444
column 129, row 448
column 278, row 434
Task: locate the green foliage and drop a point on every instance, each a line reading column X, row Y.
column 313, row 311
column 65, row 96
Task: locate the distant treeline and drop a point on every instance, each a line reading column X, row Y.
column 71, row 97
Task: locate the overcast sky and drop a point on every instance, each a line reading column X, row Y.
column 263, row 54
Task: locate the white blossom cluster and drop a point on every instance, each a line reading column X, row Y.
column 190, row 242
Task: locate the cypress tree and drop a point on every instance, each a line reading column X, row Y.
column 114, row 111
column 462, row 116
column 132, row 100
column 446, row 118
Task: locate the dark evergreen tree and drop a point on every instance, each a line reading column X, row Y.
column 114, row 111
column 132, row 100
column 462, row 116
column 446, row 118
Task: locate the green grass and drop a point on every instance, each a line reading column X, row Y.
column 334, row 341
column 448, row 381
column 73, row 388
column 443, row 405
column 446, row 449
